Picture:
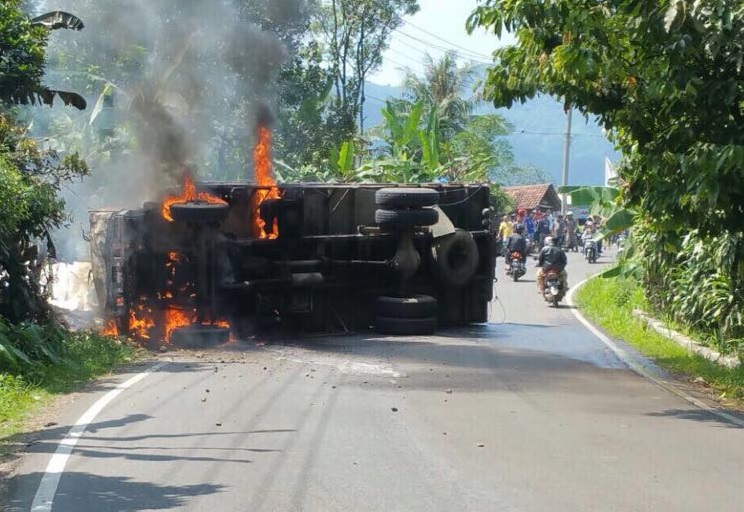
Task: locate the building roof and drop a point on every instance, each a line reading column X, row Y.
column 534, row 196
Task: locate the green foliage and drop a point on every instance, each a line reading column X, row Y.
column 29, row 209
column 606, row 203
column 37, row 351
column 665, row 80
column 45, row 360
column 307, row 130
column 626, row 295
column 22, row 44
column 354, row 34
column 22, row 50
column 442, row 89
column 697, row 281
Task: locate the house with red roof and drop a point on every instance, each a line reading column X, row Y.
column 533, row 197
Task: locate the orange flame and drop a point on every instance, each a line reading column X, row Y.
column 264, row 178
column 139, row 327
column 221, row 323
column 188, row 194
column 175, row 318
column 110, row 329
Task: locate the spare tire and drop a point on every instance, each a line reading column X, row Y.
column 403, row 219
column 199, row 212
column 456, row 258
column 416, row 306
column 406, row 197
column 405, row 326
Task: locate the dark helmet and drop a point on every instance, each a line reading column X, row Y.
column 519, row 228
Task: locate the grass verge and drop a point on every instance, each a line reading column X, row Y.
column 86, row 355
column 609, row 303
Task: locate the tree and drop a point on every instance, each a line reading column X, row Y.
column 444, row 88
column 22, row 43
column 30, row 206
column 355, row 33
column 665, row 79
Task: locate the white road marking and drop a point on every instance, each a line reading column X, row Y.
column 44, row 498
column 634, row 365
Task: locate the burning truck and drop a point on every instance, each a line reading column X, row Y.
column 230, row 259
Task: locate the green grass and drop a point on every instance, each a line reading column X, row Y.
column 610, row 302
column 24, row 390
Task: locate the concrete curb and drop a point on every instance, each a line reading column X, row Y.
column 687, row 342
column 634, row 364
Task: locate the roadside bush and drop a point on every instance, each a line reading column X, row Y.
column 698, row 282
column 41, row 352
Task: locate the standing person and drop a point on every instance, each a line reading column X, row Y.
column 505, row 228
column 558, row 229
column 570, row 231
column 551, row 256
column 521, row 213
column 542, row 229
column 529, row 227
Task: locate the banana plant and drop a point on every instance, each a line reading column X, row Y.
column 605, row 202
column 342, row 161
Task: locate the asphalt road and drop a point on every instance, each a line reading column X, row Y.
column 529, row 413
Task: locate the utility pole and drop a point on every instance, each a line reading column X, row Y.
column 566, row 156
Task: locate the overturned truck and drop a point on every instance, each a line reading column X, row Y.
column 231, row 259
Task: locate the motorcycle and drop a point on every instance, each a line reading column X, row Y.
column 590, row 250
column 515, row 267
column 553, row 286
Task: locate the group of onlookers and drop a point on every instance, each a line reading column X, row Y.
column 540, row 224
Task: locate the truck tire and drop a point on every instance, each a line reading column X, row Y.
column 456, row 258
column 200, row 336
column 199, row 212
column 406, row 326
column 404, row 219
column 406, row 197
column 416, row 306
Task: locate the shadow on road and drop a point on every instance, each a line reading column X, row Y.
column 696, row 415
column 114, row 494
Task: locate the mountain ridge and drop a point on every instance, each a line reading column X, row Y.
column 537, row 138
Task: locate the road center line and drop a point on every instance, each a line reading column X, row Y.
column 632, row 363
column 44, row 498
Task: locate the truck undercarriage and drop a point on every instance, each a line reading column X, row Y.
column 230, row 259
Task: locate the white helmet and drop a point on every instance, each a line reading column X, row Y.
column 548, row 240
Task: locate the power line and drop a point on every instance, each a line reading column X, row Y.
column 442, row 48
column 574, row 134
column 398, row 63
column 454, row 48
column 401, row 54
column 450, row 43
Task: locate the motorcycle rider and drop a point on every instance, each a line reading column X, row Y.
column 516, row 243
column 551, row 256
column 588, row 232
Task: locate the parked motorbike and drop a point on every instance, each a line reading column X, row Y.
column 554, row 288
column 590, row 250
column 515, row 267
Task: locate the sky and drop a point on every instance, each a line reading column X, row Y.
column 437, row 27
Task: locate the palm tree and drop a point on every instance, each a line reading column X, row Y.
column 443, row 87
